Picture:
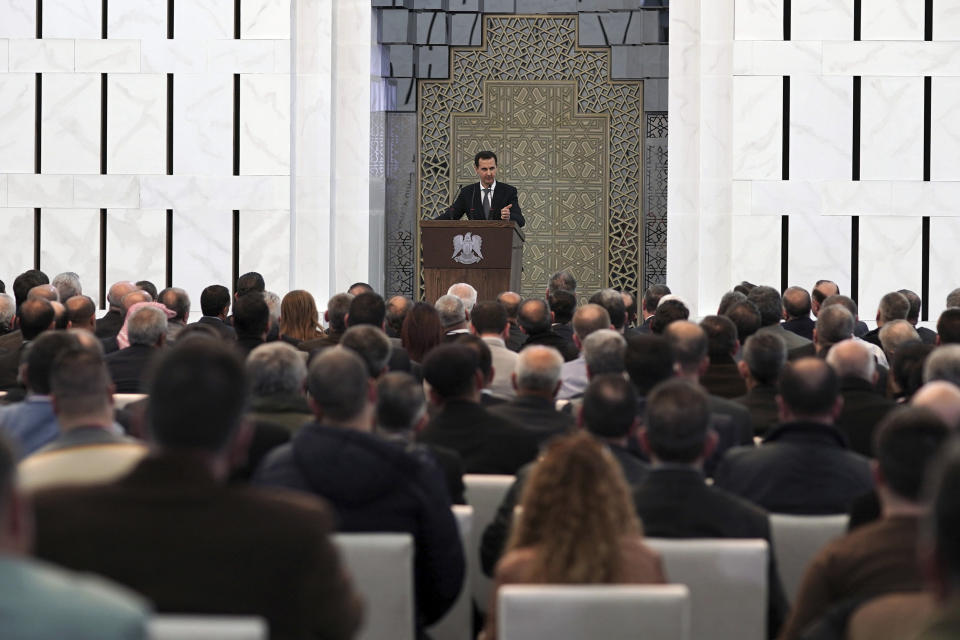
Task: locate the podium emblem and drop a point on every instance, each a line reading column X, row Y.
column 466, row 248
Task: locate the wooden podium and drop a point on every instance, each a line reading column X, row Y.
column 450, row 253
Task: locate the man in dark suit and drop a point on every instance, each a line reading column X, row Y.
column 487, row 199
column 175, row 532
column 215, row 303
column 10, row 342
column 147, row 332
column 796, row 312
column 770, row 305
column 763, row 358
column 722, row 377
column 109, row 325
column 370, row 309
column 648, row 305
column 675, row 502
column 928, row 336
column 487, row 443
column 536, row 379
column 511, row 302
column 893, row 306
column 803, row 465
column 535, row 320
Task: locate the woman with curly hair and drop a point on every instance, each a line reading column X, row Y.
column 577, row 525
column 421, row 331
column 299, row 319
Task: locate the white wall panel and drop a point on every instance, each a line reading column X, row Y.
column 890, row 259
column 136, row 123
column 3, row 190
column 4, row 55
column 822, row 20
column 756, row 247
column 265, row 247
column 203, row 124
column 240, row 56
column 42, row 56
column 72, row 18
column 819, row 249
column 944, row 276
column 945, row 129
column 946, row 20
column 17, row 256
column 70, row 241
column 201, row 250
column 136, row 245
column 173, row 56
column 35, row 190
column 758, row 20
column 19, row 18
column 264, row 124
column 203, row 19
column 268, row 19
column 17, row 105
column 70, row 128
column 757, row 127
column 108, row 56
column 821, row 127
column 142, row 19
column 891, row 138
column 892, row 19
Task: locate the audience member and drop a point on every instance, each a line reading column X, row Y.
column 851, row 306
column 374, row 485
column 149, row 287
column 578, row 526
column 586, row 320
column 251, row 321
column 248, row 283
column 943, row 364
column 942, row 398
column 359, row 287
column 894, row 334
column 277, row 373
column 668, row 311
column 397, row 309
column 948, row 326
column 36, row 316
column 561, row 281
column 803, row 465
column 215, row 303
column 486, row 442
column 8, row 314
column 299, row 318
column 731, row 298
column 722, row 378
column 825, row 289
column 651, row 298
column 44, row 292
column 511, row 302
column 453, row 316
column 834, row 325
column 485, row 367
column 489, row 321
column 928, row 336
column 67, row 285
column 369, row 309
column 172, row 531
column 796, row 312
column 907, row 372
column 535, row 319
column 536, row 380
column 880, row 557
column 648, row 360
column 770, row 305
column 421, row 331
column 371, row 344
column 863, row 408
column 109, row 325
column 178, row 301
column 335, row 316
column 764, row 356
column 746, row 317
column 563, row 304
column 26, row 281
column 466, row 293
column 147, row 332
column 630, row 304
column 893, row 306
column 611, row 300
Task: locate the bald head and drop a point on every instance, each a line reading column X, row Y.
column 466, row 293
column 796, row 303
column 116, row 293
column 809, row 389
column 852, row 359
column 537, row 372
column 590, row 318
column 834, row 324
column 821, row 291
column 689, row 342
column 44, row 292
column 941, row 397
column 135, row 297
column 81, row 313
column 511, row 302
column 895, row 334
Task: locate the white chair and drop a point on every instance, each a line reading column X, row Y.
column 382, row 568
column 191, row 627
column 727, row 581
column 796, row 539
column 484, row 494
column 458, row 623
column 121, row 400
column 593, row 612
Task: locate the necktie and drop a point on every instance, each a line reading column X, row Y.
column 486, row 203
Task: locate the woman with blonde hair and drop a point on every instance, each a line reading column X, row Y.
column 577, row 525
column 299, row 319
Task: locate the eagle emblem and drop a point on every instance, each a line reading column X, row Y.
column 466, row 248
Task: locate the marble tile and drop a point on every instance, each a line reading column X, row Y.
column 892, row 20
column 945, row 129
column 3, row 190
column 682, row 264
column 819, row 249
column 72, row 18
column 108, row 56
column 891, row 139
column 136, row 245
column 35, row 190
column 4, row 55
column 946, row 21
column 140, row 19
column 199, row 193
column 17, row 105
column 913, row 198
column 202, row 242
column 717, row 20
column 779, row 197
column 822, row 20
column 19, row 18
column 136, row 123
column 867, row 197
column 779, row 58
column 756, row 245
column 889, row 58
column 890, row 259
column 41, row 56
column 203, row 19
column 944, row 240
column 70, row 127
column 265, row 247
column 757, row 127
column 240, row 56
column 282, row 56
column 265, row 19
column 742, row 197
column 758, row 20
column 173, row 56
column 203, row 124
column 821, row 127
column 105, row 192
column 70, row 241
column 17, row 256
column 264, row 124
column 716, row 249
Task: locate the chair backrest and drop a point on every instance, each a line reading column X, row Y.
column 484, row 494
column 457, row 624
column 796, row 539
column 727, row 581
column 381, row 565
column 193, row 627
column 592, row 612
column 120, row 400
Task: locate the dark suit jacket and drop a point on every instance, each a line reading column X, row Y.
column 517, row 338
column 732, row 423
column 801, row 468
column 675, row 502
column 109, row 325
column 863, row 409
column 486, row 442
column 723, row 379
column 803, row 327
column 550, row 339
column 11, row 344
column 127, row 366
column 226, row 331
column 536, row 414
column 761, row 402
column 927, row 336
column 191, row 545
column 873, row 337
column 470, row 203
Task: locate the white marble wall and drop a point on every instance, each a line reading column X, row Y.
column 303, row 189
column 735, row 116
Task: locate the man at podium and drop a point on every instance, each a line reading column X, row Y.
column 487, row 199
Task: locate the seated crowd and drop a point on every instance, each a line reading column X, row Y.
column 254, row 433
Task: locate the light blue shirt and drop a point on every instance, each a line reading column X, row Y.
column 30, row 424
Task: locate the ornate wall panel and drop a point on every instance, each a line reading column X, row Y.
column 655, row 200
column 580, row 176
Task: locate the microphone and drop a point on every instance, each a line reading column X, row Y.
column 450, row 208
